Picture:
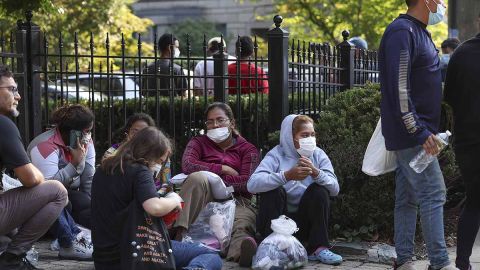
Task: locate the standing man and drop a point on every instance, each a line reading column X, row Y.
column 411, row 86
column 34, row 207
column 161, row 79
column 214, row 46
column 462, row 92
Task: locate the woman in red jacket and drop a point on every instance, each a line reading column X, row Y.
column 224, row 152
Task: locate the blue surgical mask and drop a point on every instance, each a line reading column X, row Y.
column 444, row 59
column 434, row 18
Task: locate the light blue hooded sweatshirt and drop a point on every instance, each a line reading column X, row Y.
column 269, row 175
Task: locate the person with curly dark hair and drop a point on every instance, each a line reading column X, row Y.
column 66, row 153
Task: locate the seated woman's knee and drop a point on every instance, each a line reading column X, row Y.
column 196, row 179
column 319, row 193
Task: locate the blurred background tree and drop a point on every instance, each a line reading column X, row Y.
column 84, row 17
column 195, row 29
column 324, row 20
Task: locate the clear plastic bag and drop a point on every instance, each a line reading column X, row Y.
column 9, row 183
column 280, row 250
column 213, row 226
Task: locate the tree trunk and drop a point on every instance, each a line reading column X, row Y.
column 467, row 17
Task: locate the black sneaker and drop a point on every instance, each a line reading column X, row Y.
column 9, row 261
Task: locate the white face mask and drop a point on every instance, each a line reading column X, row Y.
column 156, row 168
column 434, row 18
column 307, row 146
column 218, row 135
column 176, row 53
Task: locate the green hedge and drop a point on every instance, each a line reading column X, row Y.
column 364, row 207
column 365, row 204
column 185, row 110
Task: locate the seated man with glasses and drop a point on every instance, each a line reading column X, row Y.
column 33, row 207
column 224, row 152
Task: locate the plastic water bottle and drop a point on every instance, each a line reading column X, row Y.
column 421, row 161
column 32, row 256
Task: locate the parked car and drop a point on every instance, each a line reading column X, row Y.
column 101, row 87
column 69, row 92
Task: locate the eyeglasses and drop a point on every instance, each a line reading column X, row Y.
column 12, row 89
column 219, row 121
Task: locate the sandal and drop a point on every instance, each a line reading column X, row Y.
column 327, row 257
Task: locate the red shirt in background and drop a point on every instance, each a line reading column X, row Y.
column 247, row 79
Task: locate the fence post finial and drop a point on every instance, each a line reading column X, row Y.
column 345, row 34
column 278, row 20
column 28, row 15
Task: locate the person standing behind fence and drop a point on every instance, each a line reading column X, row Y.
column 411, row 86
column 168, row 46
column 224, row 152
column 462, row 93
column 251, row 77
column 296, row 178
column 31, row 208
column 199, row 73
column 73, row 164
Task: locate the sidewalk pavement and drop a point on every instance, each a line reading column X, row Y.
column 48, row 260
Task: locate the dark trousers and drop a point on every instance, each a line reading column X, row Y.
column 311, row 217
column 80, row 207
column 469, row 221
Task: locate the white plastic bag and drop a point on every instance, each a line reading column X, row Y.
column 213, row 226
column 377, row 159
column 9, row 182
column 280, row 250
column 219, row 190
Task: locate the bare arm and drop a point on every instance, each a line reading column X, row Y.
column 29, row 175
column 159, row 207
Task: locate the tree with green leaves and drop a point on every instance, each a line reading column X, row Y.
column 84, row 17
column 195, row 29
column 324, row 20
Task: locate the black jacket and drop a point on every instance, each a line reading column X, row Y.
column 462, row 91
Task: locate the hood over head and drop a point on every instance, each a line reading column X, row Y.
column 286, row 136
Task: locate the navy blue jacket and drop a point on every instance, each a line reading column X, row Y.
column 411, row 84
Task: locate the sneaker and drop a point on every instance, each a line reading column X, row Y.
column 326, row 257
column 448, row 267
column 10, row 261
column 406, row 266
column 54, row 245
column 80, row 250
column 248, row 248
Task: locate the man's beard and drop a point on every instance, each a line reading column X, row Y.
column 14, row 112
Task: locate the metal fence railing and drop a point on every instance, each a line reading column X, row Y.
column 296, row 77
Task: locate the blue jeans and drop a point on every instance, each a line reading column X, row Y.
column 192, row 255
column 427, row 190
column 65, row 229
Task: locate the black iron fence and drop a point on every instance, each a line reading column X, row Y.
column 297, row 77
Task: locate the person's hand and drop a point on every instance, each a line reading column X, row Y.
column 430, row 145
column 175, row 197
column 306, row 162
column 298, row 173
column 78, row 154
column 227, row 170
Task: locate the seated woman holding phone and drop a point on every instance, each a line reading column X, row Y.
column 66, row 153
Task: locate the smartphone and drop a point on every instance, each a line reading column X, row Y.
column 74, row 135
